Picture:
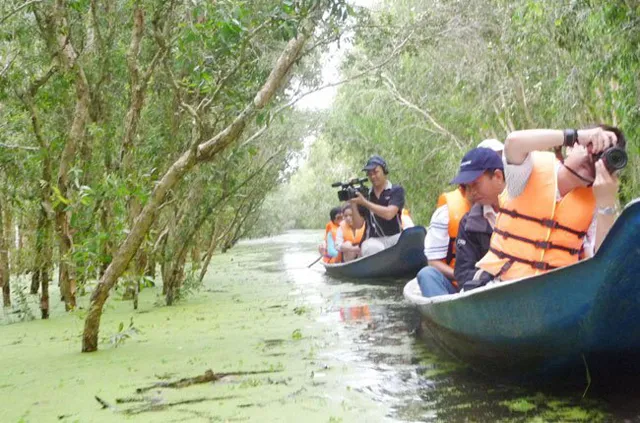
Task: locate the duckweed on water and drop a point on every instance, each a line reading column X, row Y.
column 519, row 405
column 333, row 351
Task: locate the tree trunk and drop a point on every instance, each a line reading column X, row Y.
column 43, row 256
column 5, row 232
column 68, row 57
column 213, row 242
column 202, row 152
column 35, row 279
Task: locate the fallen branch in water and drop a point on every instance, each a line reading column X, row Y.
column 208, row 376
column 161, row 406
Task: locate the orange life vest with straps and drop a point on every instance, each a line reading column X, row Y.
column 331, row 230
column 458, row 206
column 534, row 232
column 348, row 235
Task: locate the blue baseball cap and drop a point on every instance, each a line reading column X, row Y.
column 474, row 163
column 374, row 161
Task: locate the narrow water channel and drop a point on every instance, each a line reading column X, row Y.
column 395, row 364
column 297, row 346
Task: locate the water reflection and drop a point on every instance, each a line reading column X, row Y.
column 374, row 333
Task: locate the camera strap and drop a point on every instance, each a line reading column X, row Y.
column 589, row 182
column 375, row 221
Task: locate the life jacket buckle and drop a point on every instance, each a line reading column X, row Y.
column 545, row 245
column 549, row 223
column 540, row 265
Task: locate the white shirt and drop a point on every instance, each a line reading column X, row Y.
column 490, row 214
column 517, row 176
column 436, row 243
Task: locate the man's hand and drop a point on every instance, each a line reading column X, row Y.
column 358, row 200
column 596, row 139
column 605, row 186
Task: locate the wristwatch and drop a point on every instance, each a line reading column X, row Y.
column 607, row 211
column 570, row 137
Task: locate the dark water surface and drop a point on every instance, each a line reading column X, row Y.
column 398, row 368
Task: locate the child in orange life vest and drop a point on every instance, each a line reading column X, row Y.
column 348, row 239
column 328, row 249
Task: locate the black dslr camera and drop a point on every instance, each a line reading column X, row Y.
column 614, row 158
column 349, row 189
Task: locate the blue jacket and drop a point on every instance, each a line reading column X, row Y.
column 472, row 243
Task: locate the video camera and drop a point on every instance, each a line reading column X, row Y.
column 350, row 189
column 614, row 158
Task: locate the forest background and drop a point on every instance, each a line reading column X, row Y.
column 467, row 71
column 139, row 138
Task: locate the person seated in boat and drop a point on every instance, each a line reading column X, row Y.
column 348, row 239
column 381, row 209
column 484, row 189
column 556, row 210
column 438, row 278
column 407, row 221
column 439, row 244
column 327, row 249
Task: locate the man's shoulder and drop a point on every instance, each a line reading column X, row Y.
column 396, row 189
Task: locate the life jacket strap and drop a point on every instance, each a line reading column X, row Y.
column 548, row 223
column 545, row 245
column 451, row 255
column 539, row 265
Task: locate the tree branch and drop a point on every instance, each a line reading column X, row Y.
column 16, row 10
column 396, row 94
column 18, row 147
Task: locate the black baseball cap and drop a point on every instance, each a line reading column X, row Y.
column 474, row 163
column 374, row 161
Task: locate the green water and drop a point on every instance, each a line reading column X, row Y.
column 334, row 352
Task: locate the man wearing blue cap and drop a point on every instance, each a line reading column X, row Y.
column 381, row 209
column 482, row 176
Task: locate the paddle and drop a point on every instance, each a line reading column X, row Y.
column 316, row 260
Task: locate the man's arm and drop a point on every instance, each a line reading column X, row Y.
column 605, row 189
column 443, row 268
column 386, row 212
column 520, row 143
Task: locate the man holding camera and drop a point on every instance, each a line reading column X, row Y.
column 381, row 209
column 558, row 210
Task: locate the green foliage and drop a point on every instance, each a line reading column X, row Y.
column 122, row 335
column 296, row 335
column 162, row 77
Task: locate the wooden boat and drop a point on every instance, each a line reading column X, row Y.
column 583, row 316
column 405, row 258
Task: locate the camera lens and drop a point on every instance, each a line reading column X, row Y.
column 615, row 159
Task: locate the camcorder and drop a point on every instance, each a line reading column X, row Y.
column 614, row 158
column 349, row 190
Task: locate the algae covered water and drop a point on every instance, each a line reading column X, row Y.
column 267, row 339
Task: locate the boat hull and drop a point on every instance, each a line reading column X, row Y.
column 584, row 314
column 405, row 258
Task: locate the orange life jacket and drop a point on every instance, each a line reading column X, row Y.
column 534, row 232
column 331, row 230
column 347, row 233
column 458, row 206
